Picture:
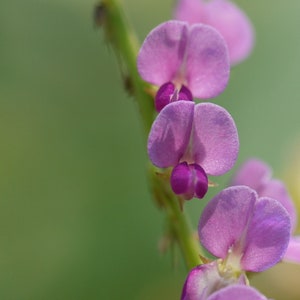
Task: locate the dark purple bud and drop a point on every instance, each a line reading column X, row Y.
column 189, row 181
column 180, row 178
column 167, row 93
column 200, row 181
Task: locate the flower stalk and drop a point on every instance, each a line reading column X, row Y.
column 121, row 37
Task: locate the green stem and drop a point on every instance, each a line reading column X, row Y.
column 124, row 42
column 179, row 223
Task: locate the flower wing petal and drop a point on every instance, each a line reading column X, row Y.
column 170, row 133
column 215, row 142
column 162, row 52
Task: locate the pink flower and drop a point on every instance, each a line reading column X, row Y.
column 246, row 233
column 196, row 140
column 184, row 61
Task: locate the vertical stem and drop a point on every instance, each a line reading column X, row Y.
column 179, row 223
column 121, row 36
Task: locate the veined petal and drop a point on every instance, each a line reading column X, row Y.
column 257, row 175
column 170, row 133
column 215, row 142
column 226, row 17
column 207, row 66
column 162, row 52
column 192, row 11
column 267, row 236
column 276, row 189
column 237, row 292
column 234, row 26
column 225, row 219
column 253, row 173
column 292, row 253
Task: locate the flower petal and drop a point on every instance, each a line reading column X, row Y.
column 162, row 52
column 207, row 63
column 170, row 133
column 215, row 142
column 234, row 26
column 267, row 236
column 189, row 181
column 227, row 18
column 192, row 11
column 276, row 189
column 237, row 292
column 221, row 224
column 253, row 173
column 200, row 282
column 257, row 175
column 292, row 253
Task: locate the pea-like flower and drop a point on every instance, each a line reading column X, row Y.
column 205, row 283
column 246, row 232
column 226, row 17
column 196, row 140
column 184, row 62
column 258, row 175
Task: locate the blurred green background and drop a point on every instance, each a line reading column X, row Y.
column 76, row 217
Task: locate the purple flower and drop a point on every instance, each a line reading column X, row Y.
column 226, row 17
column 204, row 280
column 258, row 175
column 245, row 232
column 196, row 140
column 184, row 61
column 205, row 283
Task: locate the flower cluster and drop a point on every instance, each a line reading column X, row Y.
column 196, row 139
column 247, row 227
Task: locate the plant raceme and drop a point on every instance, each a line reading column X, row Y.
column 247, row 226
column 196, row 140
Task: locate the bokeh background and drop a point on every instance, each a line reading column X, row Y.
column 76, row 217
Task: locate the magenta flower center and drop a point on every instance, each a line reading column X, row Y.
column 168, row 93
column 189, row 180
